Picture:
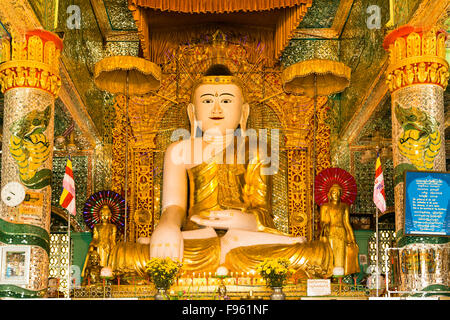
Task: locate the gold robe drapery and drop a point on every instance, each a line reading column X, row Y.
column 233, row 180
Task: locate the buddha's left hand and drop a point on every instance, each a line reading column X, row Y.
column 227, row 219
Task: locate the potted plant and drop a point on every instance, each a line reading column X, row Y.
column 162, row 272
column 275, row 272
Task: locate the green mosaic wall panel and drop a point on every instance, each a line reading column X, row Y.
column 80, row 170
column 83, row 48
column 321, row 14
column 300, row 50
column 365, row 176
column 362, row 49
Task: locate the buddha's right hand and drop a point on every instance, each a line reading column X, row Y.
column 167, row 242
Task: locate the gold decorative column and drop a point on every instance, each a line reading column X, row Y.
column 298, row 146
column 317, row 78
column 323, row 154
column 417, row 77
column 29, row 79
column 299, row 182
column 126, row 76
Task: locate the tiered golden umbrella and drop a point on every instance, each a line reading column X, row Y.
column 316, row 77
column 129, row 76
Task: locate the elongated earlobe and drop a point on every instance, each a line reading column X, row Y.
column 244, row 118
column 192, row 120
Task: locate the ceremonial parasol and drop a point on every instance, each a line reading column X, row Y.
column 316, row 77
column 129, row 76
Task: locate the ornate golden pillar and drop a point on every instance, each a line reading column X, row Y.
column 299, row 182
column 417, row 77
column 317, row 79
column 29, row 79
column 298, row 145
column 323, row 154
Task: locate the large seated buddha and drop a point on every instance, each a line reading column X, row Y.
column 216, row 195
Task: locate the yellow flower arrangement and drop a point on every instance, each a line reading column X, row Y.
column 162, row 271
column 274, row 271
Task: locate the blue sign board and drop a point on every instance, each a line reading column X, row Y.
column 427, row 203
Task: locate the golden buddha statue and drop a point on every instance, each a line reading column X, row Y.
column 92, row 271
column 228, row 220
column 103, row 238
column 336, row 228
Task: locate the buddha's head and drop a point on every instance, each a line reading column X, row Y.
column 52, row 284
column 105, row 213
column 218, row 102
column 94, row 258
column 335, row 192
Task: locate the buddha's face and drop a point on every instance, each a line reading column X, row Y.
column 105, row 213
column 335, row 193
column 95, row 259
column 219, row 107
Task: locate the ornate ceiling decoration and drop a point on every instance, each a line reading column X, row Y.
column 325, row 20
column 164, row 25
column 115, row 20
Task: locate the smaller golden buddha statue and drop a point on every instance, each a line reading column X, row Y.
column 93, row 269
column 336, row 228
column 103, row 238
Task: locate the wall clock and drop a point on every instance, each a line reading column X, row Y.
column 13, row 193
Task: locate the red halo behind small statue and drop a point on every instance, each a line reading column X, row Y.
column 327, row 177
column 115, row 202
